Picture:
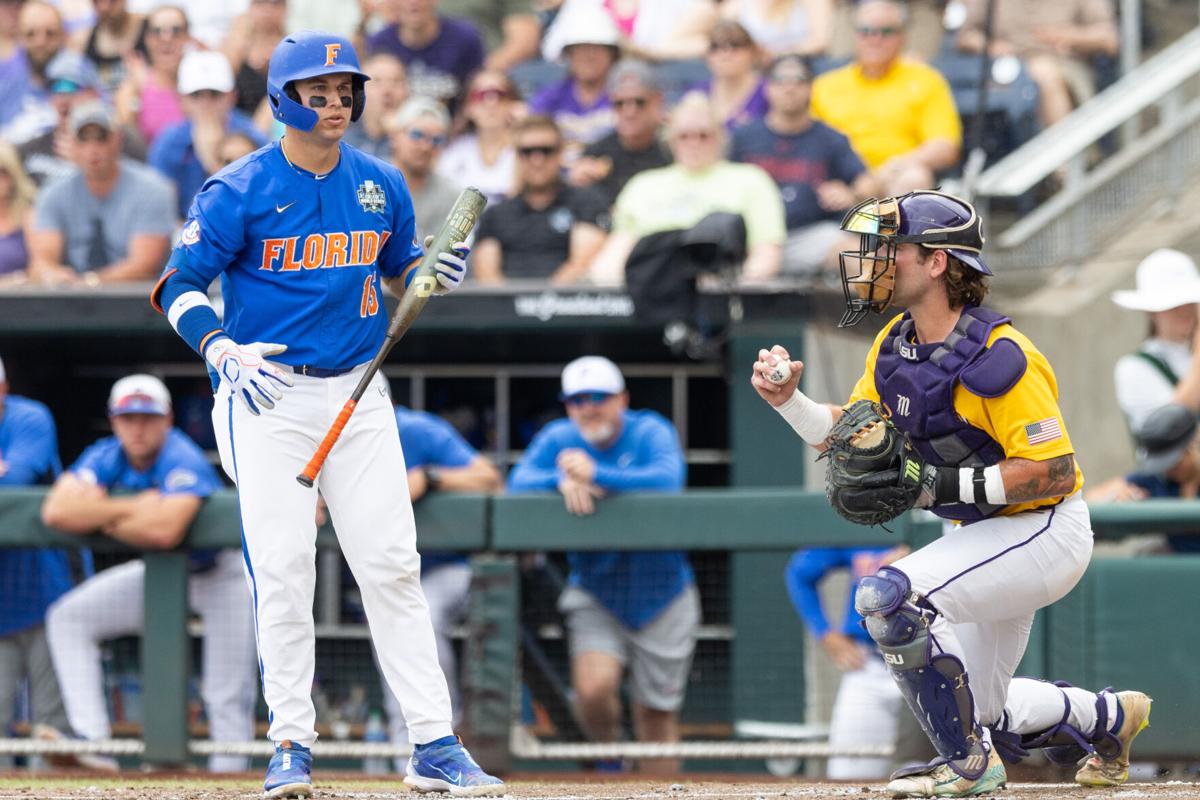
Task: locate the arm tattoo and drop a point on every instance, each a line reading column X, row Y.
column 1026, row 480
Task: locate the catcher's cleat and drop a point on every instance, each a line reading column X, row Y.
column 289, row 773
column 1135, row 707
column 942, row 781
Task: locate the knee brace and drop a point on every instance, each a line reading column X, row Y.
column 934, row 686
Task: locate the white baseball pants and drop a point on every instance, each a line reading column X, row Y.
column 111, row 603
column 363, row 483
column 446, row 590
column 987, row 580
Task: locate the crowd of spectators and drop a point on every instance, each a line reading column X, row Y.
column 183, row 87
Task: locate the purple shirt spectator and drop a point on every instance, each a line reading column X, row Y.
column 14, row 82
column 441, row 68
column 579, row 124
column 754, row 108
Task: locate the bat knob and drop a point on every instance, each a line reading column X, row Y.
column 304, row 481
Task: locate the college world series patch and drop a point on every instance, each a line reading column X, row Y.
column 371, row 197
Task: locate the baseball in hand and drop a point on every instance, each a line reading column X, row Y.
column 781, row 373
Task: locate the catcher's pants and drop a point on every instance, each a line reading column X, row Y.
column 363, row 483
column 986, row 581
column 110, row 604
column 866, row 713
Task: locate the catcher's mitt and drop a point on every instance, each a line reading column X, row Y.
column 872, row 472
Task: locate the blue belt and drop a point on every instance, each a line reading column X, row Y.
column 320, row 372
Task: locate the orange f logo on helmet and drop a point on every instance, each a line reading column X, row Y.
column 331, row 53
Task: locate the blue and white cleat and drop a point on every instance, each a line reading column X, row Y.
column 289, row 773
column 444, row 765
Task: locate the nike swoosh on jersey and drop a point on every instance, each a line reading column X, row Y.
column 280, row 209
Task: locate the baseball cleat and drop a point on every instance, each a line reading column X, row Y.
column 289, row 773
column 446, row 766
column 942, row 781
column 82, row 760
column 1096, row 771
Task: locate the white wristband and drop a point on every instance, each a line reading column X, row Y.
column 993, row 485
column 810, row 419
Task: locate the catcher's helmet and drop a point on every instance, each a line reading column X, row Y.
column 931, row 219
column 308, row 54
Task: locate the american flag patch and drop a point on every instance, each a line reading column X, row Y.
column 1046, row 430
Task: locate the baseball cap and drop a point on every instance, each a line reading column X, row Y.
column 635, row 74
column 74, row 72
column 139, row 394
column 1163, row 438
column 204, row 69
column 591, row 374
column 416, row 107
column 92, row 113
column 1165, row 279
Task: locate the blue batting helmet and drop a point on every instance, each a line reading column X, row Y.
column 308, row 54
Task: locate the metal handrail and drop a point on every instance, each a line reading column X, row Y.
column 1148, row 85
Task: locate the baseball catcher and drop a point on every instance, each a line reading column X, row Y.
column 957, row 411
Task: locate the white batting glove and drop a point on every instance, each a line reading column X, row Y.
column 451, row 265
column 244, row 368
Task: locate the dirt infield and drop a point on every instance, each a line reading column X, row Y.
column 138, row 788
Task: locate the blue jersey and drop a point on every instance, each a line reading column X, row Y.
column 180, row 469
column 806, row 569
column 32, row 579
column 634, row 586
column 430, row 441
column 300, row 255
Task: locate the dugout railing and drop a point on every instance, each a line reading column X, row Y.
column 1121, row 626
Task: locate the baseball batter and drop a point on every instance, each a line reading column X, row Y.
column 301, row 233
column 979, row 405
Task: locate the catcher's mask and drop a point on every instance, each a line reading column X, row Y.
column 931, row 219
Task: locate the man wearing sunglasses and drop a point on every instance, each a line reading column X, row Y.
column 27, row 112
column 625, row 611
column 550, row 230
column 898, row 113
column 418, row 133
column 988, row 451
column 188, row 152
column 72, row 82
column 634, row 145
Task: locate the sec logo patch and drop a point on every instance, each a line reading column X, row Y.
column 191, row 232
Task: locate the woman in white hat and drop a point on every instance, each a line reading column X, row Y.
column 1165, row 368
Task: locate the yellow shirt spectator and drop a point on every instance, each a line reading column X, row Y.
column 669, row 198
column 886, row 117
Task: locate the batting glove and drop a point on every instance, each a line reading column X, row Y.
column 451, row 265
column 244, row 368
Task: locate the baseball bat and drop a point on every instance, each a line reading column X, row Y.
column 457, row 227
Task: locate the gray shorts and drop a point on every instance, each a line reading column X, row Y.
column 658, row 656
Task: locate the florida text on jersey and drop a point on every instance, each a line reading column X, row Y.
column 285, row 242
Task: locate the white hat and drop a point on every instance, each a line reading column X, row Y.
column 590, row 25
column 591, row 374
column 205, row 69
column 1165, row 279
column 139, row 394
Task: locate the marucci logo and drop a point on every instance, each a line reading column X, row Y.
column 548, row 305
column 902, row 405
